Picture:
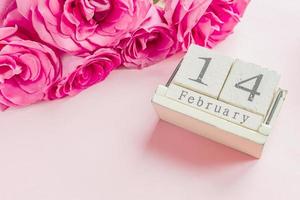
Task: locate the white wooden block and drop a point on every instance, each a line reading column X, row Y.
column 207, row 125
column 212, row 106
column 233, row 104
column 203, row 70
column 250, row 86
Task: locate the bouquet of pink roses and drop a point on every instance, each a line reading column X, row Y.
column 51, row 49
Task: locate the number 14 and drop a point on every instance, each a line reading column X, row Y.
column 253, row 91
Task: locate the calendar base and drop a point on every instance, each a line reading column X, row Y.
column 219, row 130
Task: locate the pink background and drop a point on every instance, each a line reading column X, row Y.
column 107, row 143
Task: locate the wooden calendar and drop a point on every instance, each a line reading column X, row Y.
column 224, row 99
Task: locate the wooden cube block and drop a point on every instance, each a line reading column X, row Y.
column 250, row 86
column 236, row 105
column 203, row 71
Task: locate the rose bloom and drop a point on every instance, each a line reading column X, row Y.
column 203, row 22
column 27, row 69
column 91, row 70
column 81, row 26
column 218, row 21
column 152, row 42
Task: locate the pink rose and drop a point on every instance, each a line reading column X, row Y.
column 218, row 21
column 203, row 22
column 183, row 15
column 27, row 69
column 93, row 69
column 81, row 26
column 152, row 42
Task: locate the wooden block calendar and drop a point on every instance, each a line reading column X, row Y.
column 227, row 100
